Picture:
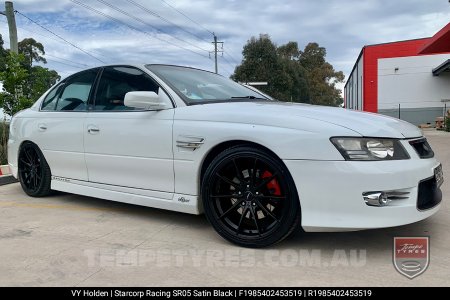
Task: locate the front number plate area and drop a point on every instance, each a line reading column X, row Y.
column 439, row 175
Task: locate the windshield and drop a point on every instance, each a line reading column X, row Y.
column 197, row 86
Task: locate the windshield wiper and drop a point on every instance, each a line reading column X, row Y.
column 248, row 97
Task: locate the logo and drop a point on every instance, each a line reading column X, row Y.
column 411, row 255
column 60, row 179
column 183, row 200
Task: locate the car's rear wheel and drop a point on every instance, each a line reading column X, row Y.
column 249, row 197
column 34, row 171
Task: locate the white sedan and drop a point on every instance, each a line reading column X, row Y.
column 192, row 141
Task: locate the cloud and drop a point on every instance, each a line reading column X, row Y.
column 343, row 27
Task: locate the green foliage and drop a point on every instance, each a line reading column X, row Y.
column 447, row 123
column 32, row 50
column 292, row 75
column 4, row 129
column 3, row 54
column 14, row 78
column 322, row 77
column 39, row 81
column 23, row 83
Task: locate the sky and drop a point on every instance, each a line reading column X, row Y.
column 180, row 31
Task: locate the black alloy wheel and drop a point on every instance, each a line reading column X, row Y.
column 34, row 172
column 249, row 197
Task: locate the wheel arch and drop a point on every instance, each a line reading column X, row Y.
column 25, row 142
column 214, row 151
column 19, row 149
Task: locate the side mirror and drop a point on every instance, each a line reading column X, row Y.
column 144, row 100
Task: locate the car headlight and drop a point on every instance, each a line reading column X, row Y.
column 370, row 149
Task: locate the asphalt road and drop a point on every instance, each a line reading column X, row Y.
column 69, row 240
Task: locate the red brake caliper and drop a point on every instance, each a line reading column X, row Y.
column 272, row 185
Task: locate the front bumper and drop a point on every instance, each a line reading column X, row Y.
column 331, row 192
column 12, row 157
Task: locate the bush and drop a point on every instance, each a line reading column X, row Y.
column 447, row 123
column 4, row 130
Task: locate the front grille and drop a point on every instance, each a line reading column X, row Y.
column 422, row 148
column 429, row 194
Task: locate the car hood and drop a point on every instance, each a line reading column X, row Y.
column 292, row 115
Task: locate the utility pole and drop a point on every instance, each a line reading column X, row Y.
column 216, row 51
column 9, row 13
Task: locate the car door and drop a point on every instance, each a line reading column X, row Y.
column 125, row 147
column 59, row 128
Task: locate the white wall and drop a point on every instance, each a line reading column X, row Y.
column 413, row 84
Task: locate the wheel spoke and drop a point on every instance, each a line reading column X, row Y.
column 264, row 209
column 266, row 181
column 27, row 177
column 30, row 160
column 25, row 162
column 271, row 199
column 252, row 212
column 233, row 207
column 228, row 181
column 35, row 181
column 226, row 196
column 31, row 181
column 275, row 200
column 244, row 212
column 238, row 172
column 253, row 174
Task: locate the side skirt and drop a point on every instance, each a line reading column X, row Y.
column 170, row 201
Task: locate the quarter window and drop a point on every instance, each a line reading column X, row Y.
column 115, row 82
column 51, row 99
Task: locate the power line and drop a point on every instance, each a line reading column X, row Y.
column 145, row 23
column 186, row 16
column 43, row 35
column 58, row 40
column 227, row 61
column 235, row 60
column 49, row 37
column 67, row 60
column 227, row 70
column 231, row 65
column 55, row 39
column 165, row 20
column 132, row 27
column 63, row 39
column 66, row 64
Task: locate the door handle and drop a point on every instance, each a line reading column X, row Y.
column 42, row 127
column 93, row 129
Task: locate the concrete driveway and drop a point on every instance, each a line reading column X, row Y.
column 69, row 240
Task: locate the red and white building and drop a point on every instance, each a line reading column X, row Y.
column 406, row 79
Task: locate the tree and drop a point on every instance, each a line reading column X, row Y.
column 32, row 50
column 13, row 77
column 264, row 61
column 292, row 75
column 23, row 83
column 3, row 53
column 322, row 77
column 40, row 79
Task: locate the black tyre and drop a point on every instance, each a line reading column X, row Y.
column 249, row 197
column 34, row 172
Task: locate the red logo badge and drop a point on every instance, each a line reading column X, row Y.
column 411, row 255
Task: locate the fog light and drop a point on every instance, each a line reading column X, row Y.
column 376, row 198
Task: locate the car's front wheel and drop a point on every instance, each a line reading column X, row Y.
column 34, row 172
column 249, row 197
